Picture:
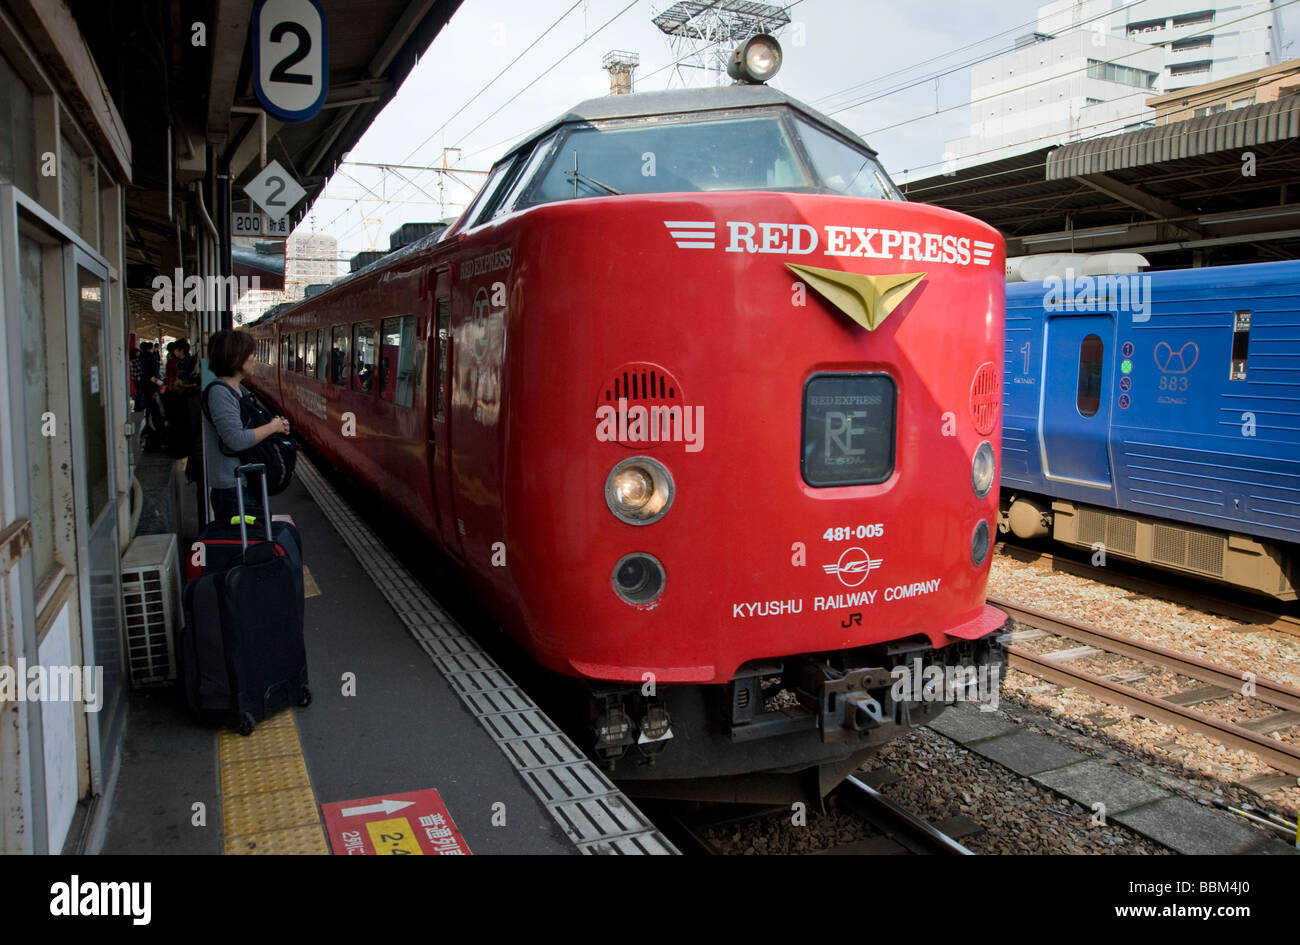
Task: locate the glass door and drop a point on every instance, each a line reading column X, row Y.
column 92, row 449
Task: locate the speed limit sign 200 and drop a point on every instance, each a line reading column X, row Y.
column 290, row 57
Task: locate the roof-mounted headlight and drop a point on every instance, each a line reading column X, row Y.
column 756, row 60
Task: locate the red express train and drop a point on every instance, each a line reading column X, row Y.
column 707, row 415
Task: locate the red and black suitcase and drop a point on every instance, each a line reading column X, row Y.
column 243, row 654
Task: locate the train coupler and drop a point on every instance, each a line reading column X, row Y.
column 846, row 706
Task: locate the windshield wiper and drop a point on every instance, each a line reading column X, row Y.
column 576, row 175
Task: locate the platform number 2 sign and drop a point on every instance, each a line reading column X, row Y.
column 290, row 58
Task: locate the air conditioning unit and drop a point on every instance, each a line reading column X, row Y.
column 151, row 603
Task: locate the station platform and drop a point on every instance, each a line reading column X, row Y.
column 403, row 701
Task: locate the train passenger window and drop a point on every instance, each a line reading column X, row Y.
column 396, row 359
column 443, row 340
column 300, row 341
column 363, row 355
column 310, row 346
column 1240, row 346
column 322, row 354
column 286, row 363
column 339, row 355
column 1090, row 360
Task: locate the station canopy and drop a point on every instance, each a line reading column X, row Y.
column 185, row 105
column 1208, row 191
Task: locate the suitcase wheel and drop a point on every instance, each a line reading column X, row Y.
column 246, row 723
column 306, row 697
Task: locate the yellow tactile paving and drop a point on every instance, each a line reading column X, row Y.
column 309, row 586
column 267, row 802
column 265, row 742
column 268, row 810
column 263, row 774
column 306, row 839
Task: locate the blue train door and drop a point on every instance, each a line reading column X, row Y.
column 1075, row 414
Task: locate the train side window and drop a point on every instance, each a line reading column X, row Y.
column 396, row 359
column 1091, row 351
column 322, row 354
column 443, row 338
column 310, row 352
column 363, row 355
column 300, row 340
column 339, row 355
column 1240, row 346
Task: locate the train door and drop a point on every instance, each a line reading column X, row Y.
column 1074, row 412
column 440, row 461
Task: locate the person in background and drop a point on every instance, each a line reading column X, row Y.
column 135, row 378
column 181, row 402
column 151, row 384
column 173, row 363
column 230, row 356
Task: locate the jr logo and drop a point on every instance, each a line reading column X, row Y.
column 853, row 567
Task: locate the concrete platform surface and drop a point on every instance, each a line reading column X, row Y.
column 385, row 719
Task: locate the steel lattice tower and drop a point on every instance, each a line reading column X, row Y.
column 702, row 33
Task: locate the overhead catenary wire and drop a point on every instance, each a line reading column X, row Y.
column 933, row 76
column 515, row 137
column 530, row 84
column 1145, row 113
column 1057, row 76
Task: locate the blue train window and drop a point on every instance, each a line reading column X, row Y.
column 1240, row 346
column 1089, row 397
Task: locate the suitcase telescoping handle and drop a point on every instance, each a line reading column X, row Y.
column 266, row 500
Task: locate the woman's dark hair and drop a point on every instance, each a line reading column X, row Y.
column 228, row 350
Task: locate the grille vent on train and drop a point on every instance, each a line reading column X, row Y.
column 642, row 384
column 986, row 397
column 1117, row 533
column 1189, row 549
column 151, row 602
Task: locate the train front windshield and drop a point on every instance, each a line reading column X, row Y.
column 675, row 155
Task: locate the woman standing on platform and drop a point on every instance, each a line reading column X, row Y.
column 230, row 356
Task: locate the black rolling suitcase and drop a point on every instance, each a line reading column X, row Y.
column 243, row 656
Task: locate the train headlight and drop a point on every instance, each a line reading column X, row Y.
column 982, row 469
column 979, row 543
column 639, row 490
column 639, row 578
column 756, row 60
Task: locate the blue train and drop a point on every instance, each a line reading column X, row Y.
column 1157, row 416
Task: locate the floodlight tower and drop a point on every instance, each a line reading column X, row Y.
column 702, row 33
column 620, row 65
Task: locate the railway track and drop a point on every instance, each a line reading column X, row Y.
column 894, row 829
column 1168, row 709
column 1255, row 616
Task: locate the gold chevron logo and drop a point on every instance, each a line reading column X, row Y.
column 868, row 300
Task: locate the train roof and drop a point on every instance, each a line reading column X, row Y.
column 614, row 107
column 684, row 101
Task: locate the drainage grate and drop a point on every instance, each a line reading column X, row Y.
column 588, row 807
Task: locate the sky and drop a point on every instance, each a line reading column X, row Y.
column 883, row 60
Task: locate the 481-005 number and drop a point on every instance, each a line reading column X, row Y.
column 854, row 531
